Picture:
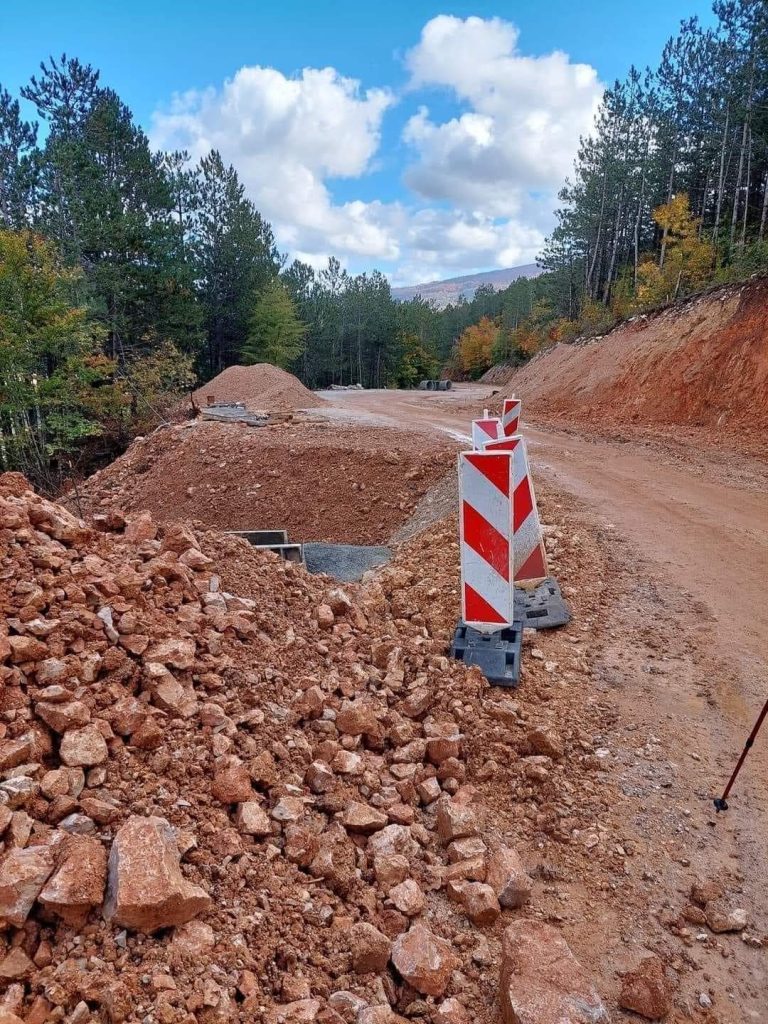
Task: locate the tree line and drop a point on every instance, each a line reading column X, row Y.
column 680, row 149
column 669, row 194
column 128, row 274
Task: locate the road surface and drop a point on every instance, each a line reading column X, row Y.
column 706, row 533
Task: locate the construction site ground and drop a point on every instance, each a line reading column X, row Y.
column 678, row 652
column 312, row 712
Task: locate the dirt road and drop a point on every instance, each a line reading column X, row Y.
column 683, row 649
column 704, row 531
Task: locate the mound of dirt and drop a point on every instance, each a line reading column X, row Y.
column 701, row 364
column 261, row 386
column 270, row 807
column 321, row 481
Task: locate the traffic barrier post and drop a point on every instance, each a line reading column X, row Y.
column 530, row 557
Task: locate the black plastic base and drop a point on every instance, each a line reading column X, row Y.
column 720, row 804
column 542, row 608
column 497, row 655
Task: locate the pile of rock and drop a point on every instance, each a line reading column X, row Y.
column 269, row 807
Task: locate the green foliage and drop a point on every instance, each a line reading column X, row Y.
column 416, row 362
column 235, row 258
column 696, row 126
column 275, row 335
column 54, row 386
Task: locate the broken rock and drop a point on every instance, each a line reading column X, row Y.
column 83, row 747
column 541, row 980
column 723, row 917
column 23, row 873
column 646, row 990
column 455, row 820
column 146, row 889
column 232, row 785
column 77, row 884
column 478, row 900
column 370, row 948
column 424, row 960
column 252, row 819
column 360, row 817
column 508, row 878
column 408, row 898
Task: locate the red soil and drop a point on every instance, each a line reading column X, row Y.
column 700, row 364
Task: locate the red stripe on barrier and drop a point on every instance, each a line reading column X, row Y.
column 494, row 470
column 522, row 505
column 486, row 541
column 477, row 609
column 534, row 568
column 489, row 426
column 507, row 445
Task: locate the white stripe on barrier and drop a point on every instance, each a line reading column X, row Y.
column 510, row 416
column 485, row 523
column 492, row 587
column 530, row 558
column 486, row 498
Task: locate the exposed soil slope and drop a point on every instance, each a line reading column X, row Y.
column 261, row 387
column 321, row 481
column 703, row 363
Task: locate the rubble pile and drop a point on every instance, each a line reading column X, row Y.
column 320, row 480
column 275, row 803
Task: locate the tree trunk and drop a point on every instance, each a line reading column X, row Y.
column 721, row 176
column 746, row 192
column 599, row 232
column 737, row 190
column 764, row 213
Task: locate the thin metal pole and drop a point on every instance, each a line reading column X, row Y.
column 721, row 803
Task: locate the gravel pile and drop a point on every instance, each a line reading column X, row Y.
column 232, row 791
column 261, row 387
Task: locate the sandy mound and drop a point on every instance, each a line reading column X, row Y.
column 701, row 364
column 321, row 481
column 261, row 387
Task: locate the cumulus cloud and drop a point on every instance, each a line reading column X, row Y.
column 479, row 188
column 286, row 137
column 521, row 130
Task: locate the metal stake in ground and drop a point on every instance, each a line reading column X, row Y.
column 721, row 803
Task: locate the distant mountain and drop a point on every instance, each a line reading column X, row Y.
column 442, row 293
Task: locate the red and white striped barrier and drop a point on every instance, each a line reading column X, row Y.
column 488, row 428
column 485, row 523
column 530, row 560
column 510, row 416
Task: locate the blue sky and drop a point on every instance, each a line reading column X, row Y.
column 434, row 141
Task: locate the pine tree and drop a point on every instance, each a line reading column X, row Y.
column 17, row 137
column 235, row 257
column 275, row 335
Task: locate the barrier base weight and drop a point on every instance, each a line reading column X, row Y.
column 542, row 608
column 497, row 655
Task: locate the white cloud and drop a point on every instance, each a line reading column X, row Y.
column 482, row 183
column 522, row 129
column 286, row 136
